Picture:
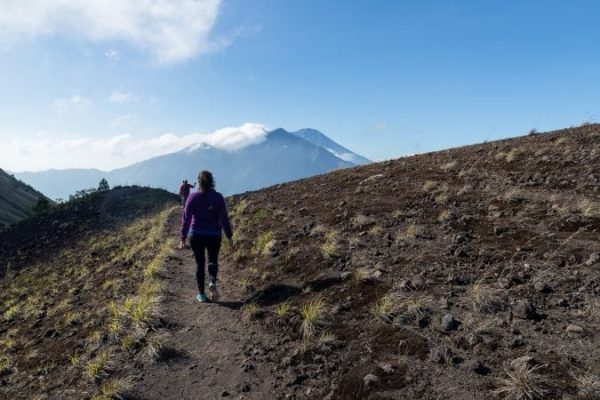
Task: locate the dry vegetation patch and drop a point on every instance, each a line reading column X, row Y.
column 89, row 311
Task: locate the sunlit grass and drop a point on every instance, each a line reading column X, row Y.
column 263, row 243
column 385, row 308
column 313, row 316
column 283, row 310
column 522, row 383
column 156, row 347
column 115, row 389
column 98, row 367
column 250, row 310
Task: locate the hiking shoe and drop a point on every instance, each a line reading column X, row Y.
column 201, row 298
column 214, row 292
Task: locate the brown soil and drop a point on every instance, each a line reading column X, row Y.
column 219, row 354
column 514, row 222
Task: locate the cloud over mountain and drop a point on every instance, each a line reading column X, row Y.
column 170, row 30
column 116, row 151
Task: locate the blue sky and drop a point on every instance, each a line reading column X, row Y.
column 384, row 78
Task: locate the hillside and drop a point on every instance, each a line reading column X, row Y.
column 16, row 200
column 282, row 156
column 463, row 274
column 79, row 295
column 469, row 273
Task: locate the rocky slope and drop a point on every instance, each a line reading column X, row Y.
column 80, row 290
column 463, row 274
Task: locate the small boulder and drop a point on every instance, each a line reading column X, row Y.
column 525, row 310
column 388, row 368
column 542, row 287
column 440, row 355
column 594, row 258
column 370, row 380
column 444, row 303
column 475, row 366
column 345, row 275
column 574, row 330
column 449, row 323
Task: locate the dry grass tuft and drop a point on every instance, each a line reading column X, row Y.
column 250, row 310
column 449, row 166
column 522, row 383
column 415, row 306
column 515, row 154
column 313, row 316
column 330, row 245
column 244, row 283
column 359, row 276
column 156, row 348
column 12, row 312
column 482, row 296
column 5, row 363
column 360, row 221
column 98, row 367
column 143, row 310
column 429, row 185
column 116, row 389
column 409, row 233
column 589, row 208
column 283, row 310
column 444, row 216
column 263, row 244
column 386, row 308
column 326, row 338
column 441, row 198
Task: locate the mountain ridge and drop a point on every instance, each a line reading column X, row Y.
column 17, row 199
column 236, row 170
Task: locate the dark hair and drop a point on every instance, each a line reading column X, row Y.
column 206, row 180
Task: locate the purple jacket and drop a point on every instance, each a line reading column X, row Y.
column 205, row 214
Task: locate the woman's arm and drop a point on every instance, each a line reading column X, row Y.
column 224, row 218
column 186, row 218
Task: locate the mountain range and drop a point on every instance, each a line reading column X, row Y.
column 281, row 157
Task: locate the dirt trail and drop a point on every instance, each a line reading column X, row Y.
column 223, row 356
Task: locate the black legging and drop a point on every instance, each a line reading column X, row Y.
column 212, row 245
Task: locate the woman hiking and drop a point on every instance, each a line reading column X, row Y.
column 204, row 216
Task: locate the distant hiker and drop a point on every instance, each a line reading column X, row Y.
column 184, row 191
column 204, row 216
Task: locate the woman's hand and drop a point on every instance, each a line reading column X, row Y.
column 182, row 244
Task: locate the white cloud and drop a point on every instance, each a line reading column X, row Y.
column 122, row 97
column 171, row 30
column 44, row 151
column 75, row 103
